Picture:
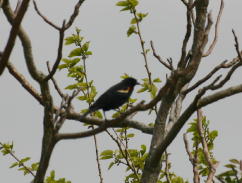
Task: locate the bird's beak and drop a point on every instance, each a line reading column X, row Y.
column 138, row 83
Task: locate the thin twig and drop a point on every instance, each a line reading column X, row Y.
column 74, row 14
column 97, row 158
column 224, row 64
column 211, row 47
column 59, row 52
column 185, row 2
column 55, row 82
column 142, row 43
column 24, row 82
column 182, row 62
column 168, row 66
column 236, row 45
column 44, row 18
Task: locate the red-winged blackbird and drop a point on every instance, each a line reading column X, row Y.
column 114, row 97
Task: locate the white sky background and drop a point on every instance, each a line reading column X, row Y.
column 113, row 54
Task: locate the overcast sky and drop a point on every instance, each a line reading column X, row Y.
column 105, row 26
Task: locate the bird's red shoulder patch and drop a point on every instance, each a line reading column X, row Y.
column 126, row 90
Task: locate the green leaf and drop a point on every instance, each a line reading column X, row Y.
column 107, row 153
column 213, row 134
column 88, row 53
column 98, row 115
column 82, row 98
column 146, row 51
column 232, row 166
column 142, row 90
column 153, row 91
column 106, row 157
column 25, row 159
column 35, row 166
column 142, row 15
column 69, row 40
column 85, row 46
column 156, row 80
column 126, row 8
column 14, row 164
column 52, row 174
column 133, row 2
column 130, row 135
column 133, row 21
column 143, row 149
column 131, row 30
column 111, row 165
column 71, row 87
column 78, row 30
column 75, row 52
column 133, row 152
column 62, row 66
column 132, row 100
column 235, row 161
column 122, row 3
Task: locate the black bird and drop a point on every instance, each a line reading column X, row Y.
column 114, row 97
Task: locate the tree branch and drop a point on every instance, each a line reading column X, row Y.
column 44, row 18
column 74, row 14
column 211, row 47
column 168, row 66
column 62, row 136
column 13, row 34
column 182, row 62
column 24, row 82
column 55, row 82
column 59, row 53
column 26, row 43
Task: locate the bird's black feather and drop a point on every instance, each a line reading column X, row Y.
column 115, row 96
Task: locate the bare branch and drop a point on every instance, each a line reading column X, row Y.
column 117, row 123
column 26, row 43
column 224, row 64
column 88, row 133
column 219, row 95
column 185, row 2
column 55, row 82
column 24, row 82
column 74, row 14
column 182, row 62
column 59, row 53
column 237, row 45
column 97, row 158
column 44, row 18
column 211, row 47
column 17, row 6
column 13, row 34
column 168, row 66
